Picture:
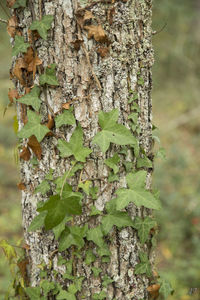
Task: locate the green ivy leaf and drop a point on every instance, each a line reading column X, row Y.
column 90, row 257
column 103, row 251
column 49, row 77
column 112, row 163
column 94, row 211
column 85, row 186
column 128, row 166
column 37, row 222
column 133, row 117
column 42, row 188
column 72, row 236
column 19, row 3
column 60, row 227
column 138, row 196
column 33, row 127
column 66, row 118
column 20, row 45
column 47, row 286
column 8, row 250
column 119, row 219
column 74, row 146
column 165, row 288
column 144, row 266
column 49, row 176
column 95, row 235
column 112, row 132
column 42, row 26
column 96, row 271
column 32, row 98
column 161, row 153
column 33, row 292
column 99, row 296
column 93, row 192
column 140, row 81
column 144, row 162
column 63, row 295
column 106, row 280
column 133, row 98
column 137, row 179
column 113, row 177
column 143, row 226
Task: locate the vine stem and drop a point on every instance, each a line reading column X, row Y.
column 65, row 179
column 3, row 21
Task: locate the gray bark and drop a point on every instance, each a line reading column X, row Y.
column 130, row 52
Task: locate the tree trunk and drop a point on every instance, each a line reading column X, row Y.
column 100, row 58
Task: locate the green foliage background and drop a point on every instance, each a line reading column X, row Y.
column 175, row 106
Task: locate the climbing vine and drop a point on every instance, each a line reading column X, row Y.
column 66, row 193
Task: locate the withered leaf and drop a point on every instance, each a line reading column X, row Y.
column 154, row 290
column 35, row 146
column 96, row 32
column 25, row 154
column 77, row 44
column 13, row 94
column 32, row 60
column 103, row 51
column 21, row 186
column 50, row 124
column 88, row 15
column 66, row 105
column 111, row 13
column 12, row 25
column 22, row 267
column 17, row 70
column 10, row 3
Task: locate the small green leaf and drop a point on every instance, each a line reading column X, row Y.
column 85, row 186
column 32, row 98
column 143, row 226
column 19, row 3
column 128, row 166
column 33, row 127
column 60, row 227
column 94, row 211
column 93, row 192
column 95, row 235
column 42, row 26
column 99, row 296
column 20, row 45
column 37, row 222
column 63, row 295
column 138, row 196
column 144, row 267
column 8, row 250
column 140, row 81
column 137, row 179
column 74, row 146
column 49, row 77
column 42, row 188
column 112, row 162
column 135, row 107
column 119, row 219
column 33, row 292
column 113, row 177
column 96, row 271
column 49, row 176
column 66, row 118
column 161, row 153
column 112, row 132
column 90, row 257
column 105, row 259
column 103, row 251
column 47, row 286
column 133, row 98
column 165, row 288
column 72, row 236
column 106, row 280
column 133, row 117
column 144, row 162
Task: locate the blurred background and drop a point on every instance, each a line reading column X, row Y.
column 176, row 110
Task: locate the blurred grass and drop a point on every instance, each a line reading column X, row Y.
column 176, row 93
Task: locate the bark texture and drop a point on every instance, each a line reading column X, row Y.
column 92, row 83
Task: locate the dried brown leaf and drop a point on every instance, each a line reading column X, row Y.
column 154, row 290
column 50, row 124
column 13, row 94
column 103, row 51
column 22, row 265
column 32, row 60
column 25, row 154
column 21, row 186
column 35, row 146
column 66, row 105
column 97, row 33
column 77, row 44
column 111, row 13
column 88, row 15
column 12, row 25
column 17, row 70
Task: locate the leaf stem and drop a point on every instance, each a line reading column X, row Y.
column 65, row 179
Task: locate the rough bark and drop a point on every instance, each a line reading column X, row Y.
column 128, row 28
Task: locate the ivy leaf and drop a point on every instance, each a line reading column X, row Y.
column 99, row 296
column 95, row 235
column 90, row 257
column 112, row 132
column 47, row 286
column 133, row 117
column 112, row 162
column 72, row 236
column 49, row 176
column 144, row 162
column 66, row 118
column 93, row 192
column 165, row 288
column 137, row 179
column 42, row 188
column 58, row 208
column 33, row 292
column 19, row 3
column 113, row 177
column 42, row 26
column 104, row 251
column 33, row 127
column 37, row 222
column 106, row 280
column 120, row 219
column 60, row 227
column 133, row 98
column 74, row 146
column 32, row 98
column 65, row 295
column 161, row 153
column 20, row 45
column 144, row 267
column 138, row 196
column 96, row 271
column 143, row 227
column 85, row 186
column 94, row 211
column 49, row 77
column 8, row 250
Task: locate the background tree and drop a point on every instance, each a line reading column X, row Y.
column 93, row 61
